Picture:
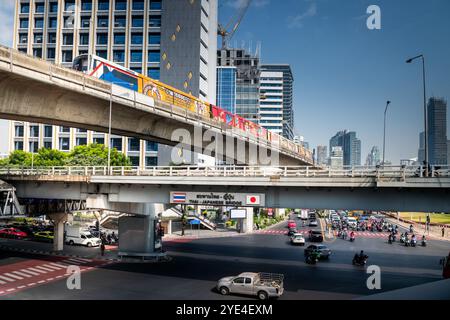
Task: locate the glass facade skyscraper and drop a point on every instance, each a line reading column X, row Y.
column 437, row 131
column 226, row 88
column 351, row 147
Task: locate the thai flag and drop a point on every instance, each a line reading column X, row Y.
column 178, row 197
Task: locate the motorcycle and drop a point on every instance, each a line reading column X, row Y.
column 312, row 258
column 358, row 261
column 413, row 243
column 424, row 243
column 394, row 238
column 390, row 240
column 352, row 239
column 407, row 242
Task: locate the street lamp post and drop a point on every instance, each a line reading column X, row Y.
column 109, row 132
column 384, row 134
column 424, row 108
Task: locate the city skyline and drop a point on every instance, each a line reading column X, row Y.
column 374, row 55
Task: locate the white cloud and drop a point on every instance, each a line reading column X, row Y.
column 7, row 22
column 238, row 4
column 297, row 21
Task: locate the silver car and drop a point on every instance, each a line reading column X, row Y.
column 262, row 285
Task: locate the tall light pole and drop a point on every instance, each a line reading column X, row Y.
column 384, row 134
column 424, row 108
column 109, row 129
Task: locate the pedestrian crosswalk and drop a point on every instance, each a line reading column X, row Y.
column 361, row 234
column 26, row 274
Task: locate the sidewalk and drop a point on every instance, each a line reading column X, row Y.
column 202, row 234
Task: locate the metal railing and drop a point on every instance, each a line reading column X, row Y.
column 394, row 172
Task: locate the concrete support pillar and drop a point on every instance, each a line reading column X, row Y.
column 169, row 227
column 58, row 221
column 248, row 222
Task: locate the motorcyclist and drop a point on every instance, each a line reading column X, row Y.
column 352, row 235
column 411, row 228
column 390, row 238
column 413, row 239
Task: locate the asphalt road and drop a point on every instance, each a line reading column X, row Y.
column 197, row 265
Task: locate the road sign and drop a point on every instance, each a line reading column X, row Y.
column 194, row 221
column 218, row 199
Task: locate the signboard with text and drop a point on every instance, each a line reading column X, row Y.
column 218, row 199
column 238, row 213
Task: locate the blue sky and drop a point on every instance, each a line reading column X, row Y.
column 344, row 73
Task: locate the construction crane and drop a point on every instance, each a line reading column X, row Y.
column 227, row 32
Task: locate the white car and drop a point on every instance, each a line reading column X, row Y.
column 352, row 222
column 298, row 239
column 313, row 223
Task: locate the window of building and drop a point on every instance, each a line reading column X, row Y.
column 48, row 131
column 18, row 145
column 48, row 145
column 136, row 38
column 133, row 144
column 154, row 73
column 33, row 146
column 119, row 56
column 68, row 22
column 39, row 23
column 121, row 5
column 23, row 38
column 24, row 8
column 102, row 21
column 120, row 21
column 102, row 38
column 81, row 130
column 18, row 131
column 151, row 161
column 40, row 7
column 23, row 50
column 68, row 39
column 81, row 141
column 103, row 5
column 137, row 22
column 53, row 7
column 51, row 53
column 155, row 21
column 85, row 22
column 38, row 38
column 119, row 38
column 64, row 129
column 155, row 5
column 84, row 38
column 138, row 4
column 53, row 22
column 102, row 54
column 154, row 38
column 24, row 23
column 52, row 37
column 136, row 69
column 151, row 146
column 116, row 143
column 99, row 140
column 86, row 5
column 37, row 52
column 67, row 56
column 64, row 144
column 136, row 56
column 154, row 56
column 69, row 5
column 134, row 161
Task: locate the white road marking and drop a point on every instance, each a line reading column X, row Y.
column 83, row 259
column 7, row 279
column 2, row 282
column 29, row 272
column 21, row 287
column 42, row 281
column 72, row 261
column 31, row 284
column 37, row 270
column 9, row 290
column 43, row 268
column 53, row 267
column 58, row 265
column 23, row 274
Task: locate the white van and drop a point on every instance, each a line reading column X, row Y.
column 77, row 235
column 352, row 222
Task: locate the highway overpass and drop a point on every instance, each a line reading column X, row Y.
column 379, row 189
column 38, row 91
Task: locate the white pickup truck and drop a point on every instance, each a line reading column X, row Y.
column 262, row 285
column 78, row 235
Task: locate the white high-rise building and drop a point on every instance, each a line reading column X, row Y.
column 337, row 158
column 271, row 101
column 174, row 41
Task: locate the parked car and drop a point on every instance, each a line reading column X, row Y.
column 324, row 251
column 44, row 236
column 262, row 285
column 292, row 224
column 315, row 236
column 313, row 223
column 13, row 233
column 298, row 239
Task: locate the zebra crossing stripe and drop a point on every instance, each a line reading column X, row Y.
column 52, row 267
column 22, row 274
column 44, row 268
column 58, row 265
column 72, row 261
column 37, row 270
column 29, row 272
column 7, row 279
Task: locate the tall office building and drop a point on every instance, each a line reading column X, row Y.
column 226, row 88
column 322, row 155
column 248, row 72
column 437, row 131
column 421, row 152
column 271, row 101
column 174, row 41
column 288, row 93
column 351, row 147
column 373, row 158
column 337, row 158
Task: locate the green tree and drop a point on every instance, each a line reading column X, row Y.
column 96, row 155
column 20, row 158
column 49, row 158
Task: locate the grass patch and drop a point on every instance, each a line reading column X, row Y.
column 439, row 218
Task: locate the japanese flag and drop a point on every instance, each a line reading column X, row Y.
column 253, row 200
